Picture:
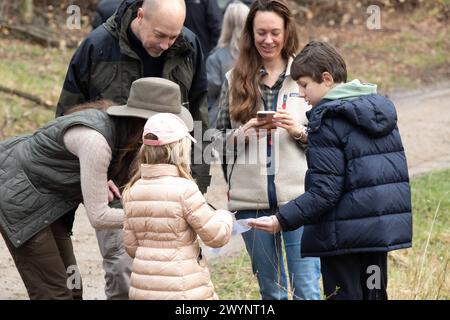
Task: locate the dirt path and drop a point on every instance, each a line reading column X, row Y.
column 424, row 122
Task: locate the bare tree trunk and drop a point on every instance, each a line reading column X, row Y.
column 27, row 9
column 2, row 8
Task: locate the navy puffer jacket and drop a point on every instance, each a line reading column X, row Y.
column 357, row 195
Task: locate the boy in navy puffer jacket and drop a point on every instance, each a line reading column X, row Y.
column 357, row 204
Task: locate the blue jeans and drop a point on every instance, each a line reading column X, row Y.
column 267, row 262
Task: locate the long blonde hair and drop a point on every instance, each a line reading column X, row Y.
column 245, row 79
column 233, row 23
column 176, row 153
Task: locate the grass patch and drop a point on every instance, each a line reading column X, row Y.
column 20, row 116
column 385, row 61
column 33, row 69
column 416, row 273
column 233, row 278
column 421, row 272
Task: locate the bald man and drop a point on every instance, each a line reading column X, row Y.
column 142, row 39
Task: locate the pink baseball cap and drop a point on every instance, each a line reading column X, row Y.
column 167, row 127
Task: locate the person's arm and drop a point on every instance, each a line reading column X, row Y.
column 214, row 21
column 198, row 107
column 326, row 162
column 94, row 155
column 226, row 136
column 199, row 87
column 223, row 140
column 215, row 78
column 76, row 84
column 223, row 117
column 213, row 226
column 326, row 178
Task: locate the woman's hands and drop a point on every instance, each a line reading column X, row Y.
column 283, row 119
column 255, row 127
column 113, row 191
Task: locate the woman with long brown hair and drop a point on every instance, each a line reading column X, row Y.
column 268, row 160
column 69, row 161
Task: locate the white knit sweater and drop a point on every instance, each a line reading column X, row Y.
column 94, row 154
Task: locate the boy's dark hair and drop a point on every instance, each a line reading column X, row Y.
column 316, row 58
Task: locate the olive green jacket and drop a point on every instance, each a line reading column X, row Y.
column 40, row 178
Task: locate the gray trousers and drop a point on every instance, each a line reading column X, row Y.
column 116, row 263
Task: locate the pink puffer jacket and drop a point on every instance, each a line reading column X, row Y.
column 164, row 215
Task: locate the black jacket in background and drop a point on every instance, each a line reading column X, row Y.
column 105, row 9
column 204, row 18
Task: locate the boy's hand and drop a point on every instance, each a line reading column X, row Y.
column 269, row 224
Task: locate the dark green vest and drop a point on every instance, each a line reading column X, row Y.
column 40, row 178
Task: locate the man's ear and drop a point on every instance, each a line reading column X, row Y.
column 140, row 13
column 328, row 79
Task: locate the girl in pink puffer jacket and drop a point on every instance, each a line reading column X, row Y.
column 165, row 214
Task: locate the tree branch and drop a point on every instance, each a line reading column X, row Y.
column 28, row 96
column 38, row 35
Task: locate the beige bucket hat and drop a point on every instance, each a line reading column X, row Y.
column 149, row 96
